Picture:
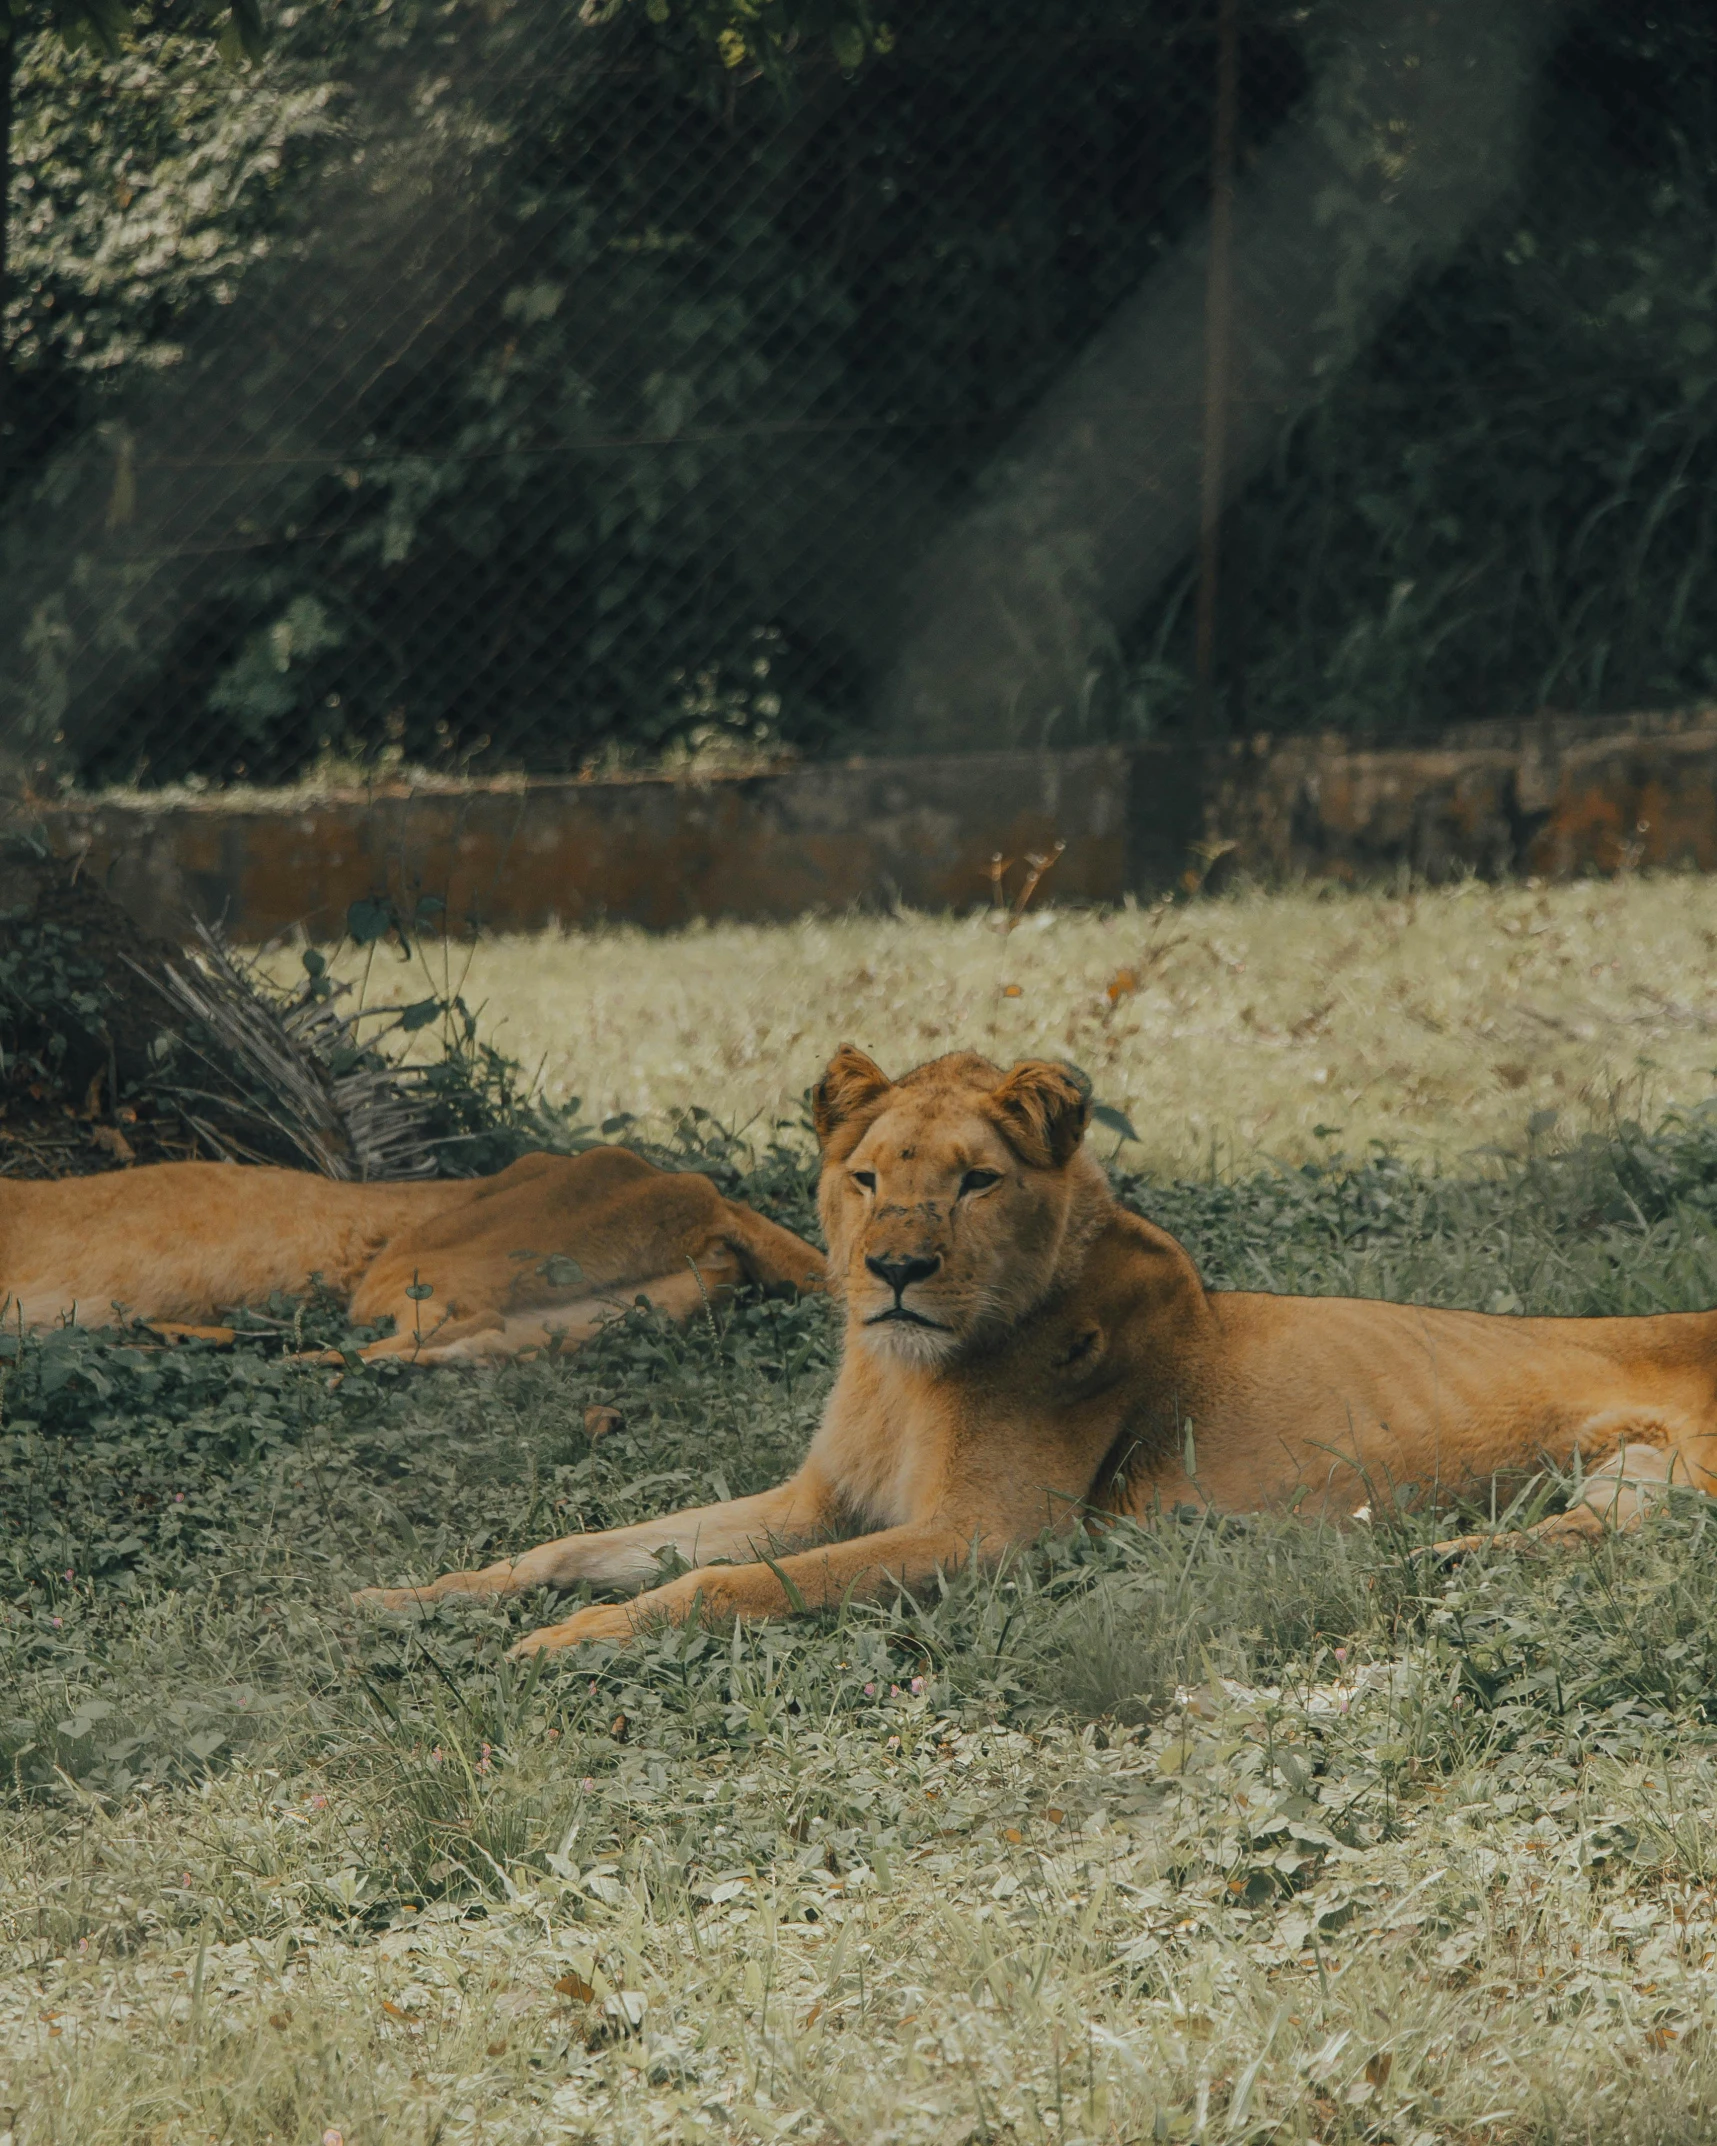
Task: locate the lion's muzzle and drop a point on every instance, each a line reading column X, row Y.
column 899, row 1275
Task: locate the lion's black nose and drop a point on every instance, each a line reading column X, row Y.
column 900, row 1274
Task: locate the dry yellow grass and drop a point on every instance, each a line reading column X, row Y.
column 1095, row 1976
column 1439, row 1021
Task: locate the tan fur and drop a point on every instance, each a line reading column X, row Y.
column 179, row 1243
column 1064, row 1358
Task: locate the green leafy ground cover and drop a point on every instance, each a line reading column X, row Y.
column 1225, row 1831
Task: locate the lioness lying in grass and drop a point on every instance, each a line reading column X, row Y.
column 466, row 1268
column 1021, row 1352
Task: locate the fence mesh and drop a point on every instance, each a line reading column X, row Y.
column 510, row 385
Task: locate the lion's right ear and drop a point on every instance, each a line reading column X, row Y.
column 853, row 1084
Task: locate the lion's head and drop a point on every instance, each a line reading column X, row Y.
column 947, row 1196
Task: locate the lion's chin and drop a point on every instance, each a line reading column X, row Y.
column 906, row 1341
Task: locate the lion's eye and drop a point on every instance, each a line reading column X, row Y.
column 979, row 1181
column 866, row 1179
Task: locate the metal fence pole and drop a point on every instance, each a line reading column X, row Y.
column 9, row 29
column 1218, row 357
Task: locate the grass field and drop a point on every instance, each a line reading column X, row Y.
column 1232, row 1832
column 1438, row 1021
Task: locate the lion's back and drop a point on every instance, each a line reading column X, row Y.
column 179, row 1240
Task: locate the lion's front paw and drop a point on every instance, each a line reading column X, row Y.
column 606, row 1621
column 392, row 1598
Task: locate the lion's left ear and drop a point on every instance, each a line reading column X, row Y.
column 1042, row 1111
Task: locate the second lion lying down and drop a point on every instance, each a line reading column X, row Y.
column 1021, row 1351
column 467, row 1268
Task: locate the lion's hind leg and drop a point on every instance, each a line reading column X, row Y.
column 489, row 1337
column 771, row 1256
column 1618, row 1494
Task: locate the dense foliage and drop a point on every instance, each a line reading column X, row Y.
column 502, row 384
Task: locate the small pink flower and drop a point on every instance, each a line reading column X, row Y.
column 70, row 1574
column 1341, row 1654
column 178, row 1497
column 83, row 1944
column 869, row 1690
column 894, row 1691
column 483, row 1760
column 185, row 1882
column 318, row 1803
column 587, row 1784
column 893, row 1744
column 917, row 1686
column 331, row 2137
column 435, row 1756
column 58, row 1623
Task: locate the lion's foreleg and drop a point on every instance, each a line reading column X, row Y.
column 629, row 1557
column 810, row 1579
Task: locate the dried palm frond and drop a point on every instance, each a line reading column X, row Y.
column 276, row 1077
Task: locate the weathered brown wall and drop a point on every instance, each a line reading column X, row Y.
column 1556, row 797
column 517, row 857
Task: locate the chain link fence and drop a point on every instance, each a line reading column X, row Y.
column 519, row 386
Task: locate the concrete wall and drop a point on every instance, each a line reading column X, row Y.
column 1555, row 797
